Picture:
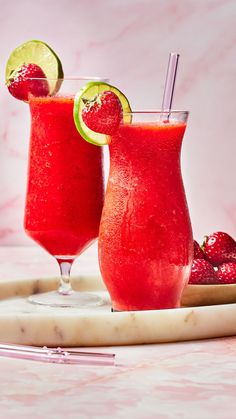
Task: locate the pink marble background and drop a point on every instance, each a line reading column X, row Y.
column 129, row 41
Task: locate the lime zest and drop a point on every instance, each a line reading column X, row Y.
column 87, row 93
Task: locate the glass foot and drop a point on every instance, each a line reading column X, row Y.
column 73, row 300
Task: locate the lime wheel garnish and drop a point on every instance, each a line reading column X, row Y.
column 38, row 55
column 99, row 108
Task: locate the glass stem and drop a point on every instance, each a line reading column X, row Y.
column 65, row 267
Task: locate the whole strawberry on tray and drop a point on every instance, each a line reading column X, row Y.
column 215, row 261
column 213, row 274
column 219, row 248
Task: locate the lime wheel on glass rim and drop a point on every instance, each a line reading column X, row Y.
column 99, row 108
column 33, row 60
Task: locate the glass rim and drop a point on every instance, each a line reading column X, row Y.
column 156, row 112
column 71, row 78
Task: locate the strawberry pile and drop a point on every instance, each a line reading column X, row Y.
column 215, row 261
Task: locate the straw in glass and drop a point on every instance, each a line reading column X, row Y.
column 170, row 82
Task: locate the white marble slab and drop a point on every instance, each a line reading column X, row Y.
column 26, row 323
column 189, row 380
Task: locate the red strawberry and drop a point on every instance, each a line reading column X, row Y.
column 202, row 273
column 20, row 85
column 103, row 114
column 198, row 252
column 219, row 248
column 227, row 273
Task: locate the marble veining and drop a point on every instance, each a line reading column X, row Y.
column 26, row 323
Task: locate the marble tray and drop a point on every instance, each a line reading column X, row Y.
column 24, row 323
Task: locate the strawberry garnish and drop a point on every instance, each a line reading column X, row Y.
column 103, row 114
column 21, row 86
column 219, row 248
column 227, row 273
column 198, row 252
column 202, row 273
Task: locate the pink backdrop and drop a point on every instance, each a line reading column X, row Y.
column 129, row 41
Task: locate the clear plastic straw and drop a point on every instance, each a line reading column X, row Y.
column 57, row 355
column 170, row 81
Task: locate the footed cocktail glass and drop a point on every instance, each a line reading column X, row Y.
column 145, row 237
column 65, row 189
